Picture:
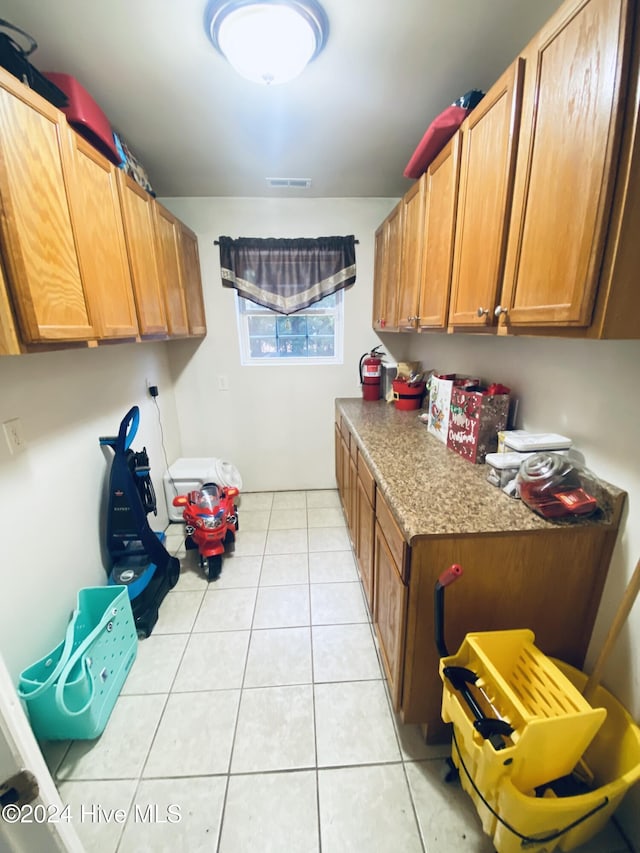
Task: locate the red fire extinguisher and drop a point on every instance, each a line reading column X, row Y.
column 371, row 374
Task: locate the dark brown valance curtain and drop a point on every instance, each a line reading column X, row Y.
column 287, row 275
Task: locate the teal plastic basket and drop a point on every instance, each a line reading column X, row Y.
column 70, row 693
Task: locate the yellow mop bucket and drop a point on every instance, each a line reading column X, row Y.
column 545, row 754
column 611, row 764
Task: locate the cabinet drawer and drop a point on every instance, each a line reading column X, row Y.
column 393, row 535
column 367, row 479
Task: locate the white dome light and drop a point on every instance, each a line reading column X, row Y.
column 268, row 42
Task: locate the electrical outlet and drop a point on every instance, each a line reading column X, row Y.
column 14, row 436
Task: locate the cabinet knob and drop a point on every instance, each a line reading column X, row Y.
column 482, row 311
column 500, row 310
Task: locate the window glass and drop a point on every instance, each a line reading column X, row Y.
column 310, row 336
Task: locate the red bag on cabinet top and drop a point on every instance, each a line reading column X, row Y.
column 440, row 132
column 436, row 137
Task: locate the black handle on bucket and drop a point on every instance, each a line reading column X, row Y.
column 447, row 577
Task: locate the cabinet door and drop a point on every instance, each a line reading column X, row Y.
column 387, row 272
column 137, row 209
column 169, row 255
column 38, row 240
column 101, row 244
column 192, row 281
column 569, row 139
column 411, row 255
column 489, row 137
column 390, row 607
column 9, row 339
column 353, row 498
column 439, row 226
column 379, row 277
column 392, row 283
column 338, row 458
column 366, row 524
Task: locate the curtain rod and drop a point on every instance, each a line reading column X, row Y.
column 217, row 242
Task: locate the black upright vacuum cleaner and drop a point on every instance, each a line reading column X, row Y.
column 139, row 558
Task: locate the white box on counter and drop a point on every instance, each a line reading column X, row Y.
column 503, row 467
column 522, row 441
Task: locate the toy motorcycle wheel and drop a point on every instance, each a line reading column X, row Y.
column 214, row 566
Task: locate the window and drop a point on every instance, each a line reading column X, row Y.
column 311, row 336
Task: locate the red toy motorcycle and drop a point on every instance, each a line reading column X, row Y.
column 211, row 519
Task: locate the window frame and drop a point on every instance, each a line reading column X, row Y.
column 242, row 321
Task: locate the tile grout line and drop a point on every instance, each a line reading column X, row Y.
column 240, row 696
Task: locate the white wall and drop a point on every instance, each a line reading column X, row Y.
column 52, row 493
column 275, row 423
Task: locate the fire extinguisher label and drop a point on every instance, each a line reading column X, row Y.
column 371, row 370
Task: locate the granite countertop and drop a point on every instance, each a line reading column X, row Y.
column 431, row 490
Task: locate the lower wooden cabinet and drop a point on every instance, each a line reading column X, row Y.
column 518, row 573
column 389, row 614
column 366, row 524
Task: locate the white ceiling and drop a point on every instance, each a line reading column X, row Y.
column 350, row 122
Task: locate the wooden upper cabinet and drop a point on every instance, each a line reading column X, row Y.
column 38, row 240
column 573, row 99
column 192, row 280
column 379, row 276
column 489, row 138
column 393, row 225
column 170, row 269
column 411, row 244
column 9, row 337
column 441, row 195
column 102, row 250
column 139, row 226
column 387, row 271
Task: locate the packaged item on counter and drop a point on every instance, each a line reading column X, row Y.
column 476, row 415
column 556, row 488
column 502, row 468
column 522, row 441
column 440, row 387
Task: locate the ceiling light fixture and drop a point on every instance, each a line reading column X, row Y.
column 267, row 41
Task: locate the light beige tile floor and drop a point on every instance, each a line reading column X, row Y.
column 256, row 717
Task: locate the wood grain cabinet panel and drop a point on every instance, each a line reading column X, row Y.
column 171, row 270
column 192, row 281
column 441, row 195
column 38, row 240
column 389, row 616
column 573, row 101
column 388, row 249
column 365, row 523
column 139, row 224
column 102, row 249
column 9, row 338
column 412, row 241
column 379, row 275
column 489, row 138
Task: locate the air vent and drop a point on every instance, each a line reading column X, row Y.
column 297, row 183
